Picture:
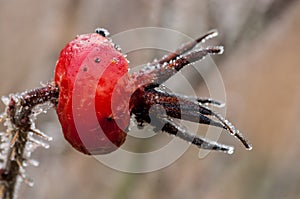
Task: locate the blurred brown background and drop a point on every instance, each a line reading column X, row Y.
column 260, row 69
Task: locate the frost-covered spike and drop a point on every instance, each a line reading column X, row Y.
column 218, row 48
column 194, row 56
column 209, row 101
column 212, row 50
column 212, row 145
column 41, row 134
column 13, row 140
column 188, row 47
column 211, row 34
column 39, row 142
column 233, row 131
column 203, row 143
column 201, row 101
column 240, row 136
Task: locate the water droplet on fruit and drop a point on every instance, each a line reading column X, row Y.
column 114, row 60
column 97, row 60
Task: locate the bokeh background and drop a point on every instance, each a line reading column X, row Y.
column 260, row 70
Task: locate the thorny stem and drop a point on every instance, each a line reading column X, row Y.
column 20, row 130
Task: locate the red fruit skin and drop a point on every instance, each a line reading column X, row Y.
column 86, row 73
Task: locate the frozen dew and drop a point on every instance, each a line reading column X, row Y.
column 2, row 117
column 97, row 60
column 29, row 182
column 210, row 35
column 26, row 179
column 30, row 147
column 221, row 49
column 24, row 163
column 39, row 142
column 5, row 100
column 230, row 150
column 31, row 162
column 42, row 83
column 40, row 108
column 42, row 134
column 164, row 57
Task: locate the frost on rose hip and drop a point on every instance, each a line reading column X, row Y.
column 86, row 73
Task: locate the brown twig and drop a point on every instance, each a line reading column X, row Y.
column 20, row 136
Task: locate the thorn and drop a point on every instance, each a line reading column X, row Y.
column 13, row 154
column 215, row 50
column 14, row 139
column 39, row 142
column 211, row 34
column 233, row 131
column 211, row 102
column 19, row 163
column 215, row 146
column 41, row 134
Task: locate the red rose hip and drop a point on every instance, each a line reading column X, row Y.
column 86, row 73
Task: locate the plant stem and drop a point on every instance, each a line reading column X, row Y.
column 21, row 111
